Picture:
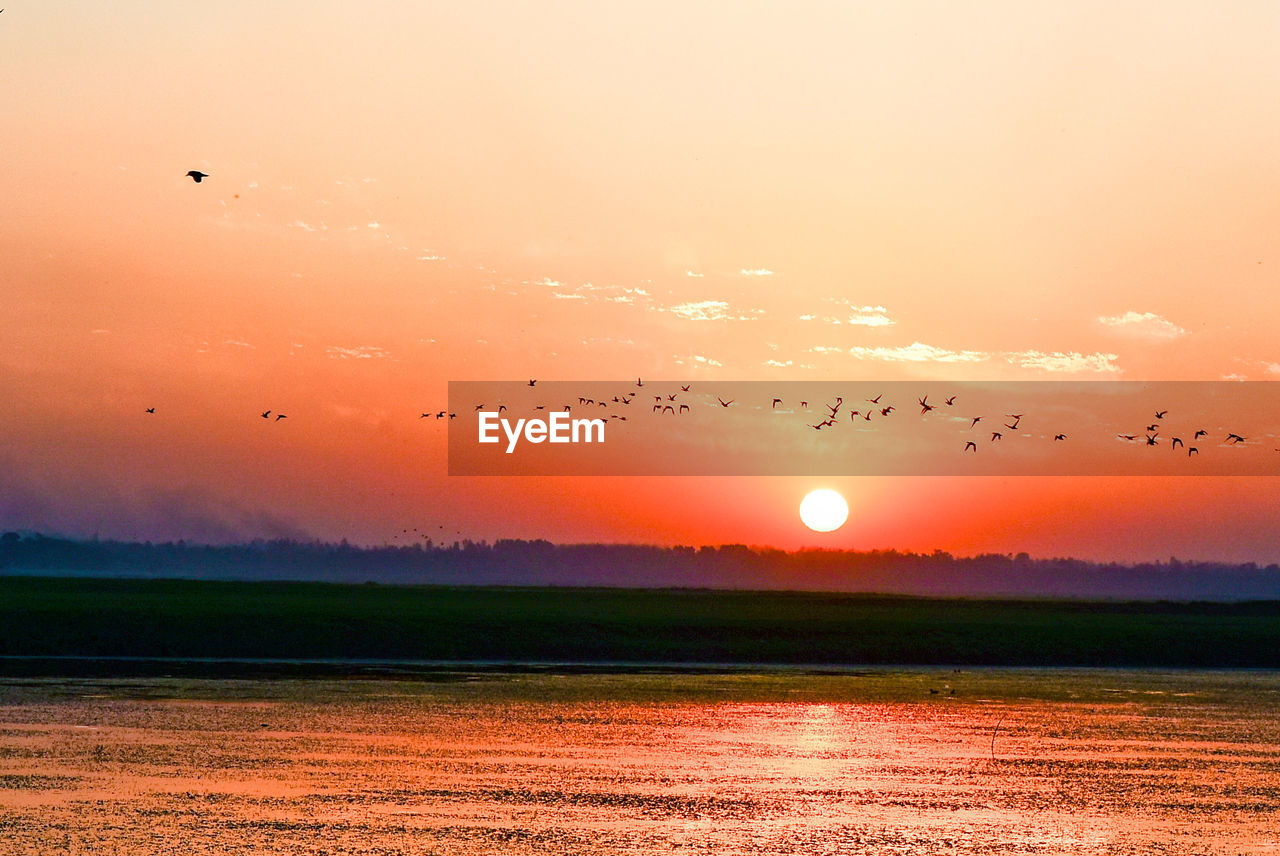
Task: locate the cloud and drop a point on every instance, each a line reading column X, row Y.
column 703, row 310
column 563, row 296
column 694, row 274
column 1059, row 361
column 1145, row 324
column 918, row 352
column 362, row 352
column 756, row 272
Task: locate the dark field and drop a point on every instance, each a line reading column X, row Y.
column 46, row 617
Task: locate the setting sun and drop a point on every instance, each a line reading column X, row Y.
column 824, row 510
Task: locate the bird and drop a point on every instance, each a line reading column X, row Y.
column 776, row 402
column 1013, row 427
column 724, row 403
column 1192, row 450
column 1200, row 433
column 975, row 421
column 995, row 435
column 266, row 414
column 876, row 400
column 1177, row 441
column 1152, row 441
column 532, row 382
column 280, row 416
column 196, row 175
column 1127, row 436
column 1234, row 438
column 1059, row 436
column 950, row 401
column 804, row 404
column 639, row 382
column 1160, row 414
column 684, row 387
column 925, row 406
column 885, row 411
column 683, row 409
column 971, row 445
column 149, row 409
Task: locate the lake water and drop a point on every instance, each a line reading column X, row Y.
column 1015, row 761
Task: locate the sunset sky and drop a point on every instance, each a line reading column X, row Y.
column 402, row 194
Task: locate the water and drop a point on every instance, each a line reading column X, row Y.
column 1028, row 761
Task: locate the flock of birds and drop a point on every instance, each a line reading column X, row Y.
column 617, row 407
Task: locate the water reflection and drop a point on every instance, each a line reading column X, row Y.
column 1081, row 762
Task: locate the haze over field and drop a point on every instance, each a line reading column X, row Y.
column 404, row 194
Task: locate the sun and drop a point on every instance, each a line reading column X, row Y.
column 824, row 510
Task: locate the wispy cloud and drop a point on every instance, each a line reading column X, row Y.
column 1145, row 324
column 694, row 274
column 918, row 352
column 703, row 310
column 1059, row 361
column 361, row 352
column 756, row 272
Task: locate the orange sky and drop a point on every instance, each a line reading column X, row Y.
column 404, row 194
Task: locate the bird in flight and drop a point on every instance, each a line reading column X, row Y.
column 975, row 421
column 266, row 414
column 684, row 388
column 280, row 416
column 925, row 406
column 950, row 401
column 1200, row 433
column 1177, row 441
column 1192, row 450
column 196, row 175
column 532, row 382
column 876, row 400
column 776, row 402
column 724, row 403
column 1235, row 438
column 149, row 409
column 1160, row 414
column 971, row 445
column 995, row 435
column 1059, row 436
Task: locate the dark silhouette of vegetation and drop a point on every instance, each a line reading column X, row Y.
column 97, row 617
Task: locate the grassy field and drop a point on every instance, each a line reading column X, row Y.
column 48, row 617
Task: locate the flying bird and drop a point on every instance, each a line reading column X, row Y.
column 1177, row 441
column 266, row 414
column 1235, row 438
column 1160, row 414
column 950, row 401
column 149, row 409
column 1059, row 436
column 925, row 406
column 532, row 382
column 196, row 175
column 971, row 445
column 684, row 388
column 280, row 416
column 975, row 421
column 724, row 403
column 995, row 435
column 1192, row 450
column 1199, row 434
column 776, row 402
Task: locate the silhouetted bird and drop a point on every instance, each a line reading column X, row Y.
column 266, row 414
column 724, row 403
column 776, row 402
column 1200, row 433
column 971, row 445
column 1177, row 441
column 280, row 416
column 149, row 409
column 532, row 382
column 196, row 175
column 1192, row 450
column 1059, row 436
column 1160, row 414
column 684, row 388
column 995, row 435
column 975, row 421
column 1234, row 438
column 950, row 401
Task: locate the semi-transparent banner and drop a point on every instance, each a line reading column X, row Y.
column 909, row 428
